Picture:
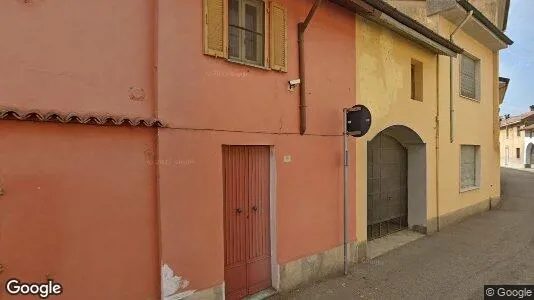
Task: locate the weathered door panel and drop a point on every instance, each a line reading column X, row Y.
column 259, row 249
column 235, row 207
column 246, row 220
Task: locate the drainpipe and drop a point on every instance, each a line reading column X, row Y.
column 451, row 104
column 302, row 70
column 437, row 142
column 345, row 194
column 156, row 141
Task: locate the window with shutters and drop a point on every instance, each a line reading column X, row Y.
column 517, row 153
column 237, row 30
column 246, row 31
column 469, row 167
column 470, row 77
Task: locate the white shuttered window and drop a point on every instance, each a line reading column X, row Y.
column 469, row 77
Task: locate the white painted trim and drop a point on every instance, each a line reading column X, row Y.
column 526, row 151
column 417, row 185
column 471, row 188
column 502, row 45
column 478, row 169
column 417, row 175
column 275, row 267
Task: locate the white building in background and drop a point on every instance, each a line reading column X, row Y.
column 517, row 140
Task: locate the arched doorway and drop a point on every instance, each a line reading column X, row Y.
column 529, row 155
column 396, row 182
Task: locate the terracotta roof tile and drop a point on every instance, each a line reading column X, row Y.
column 91, row 119
column 515, row 119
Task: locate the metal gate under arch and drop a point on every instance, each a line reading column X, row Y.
column 387, row 186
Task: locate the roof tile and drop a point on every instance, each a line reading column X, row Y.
column 515, row 119
column 90, row 119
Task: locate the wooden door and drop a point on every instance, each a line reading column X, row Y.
column 246, row 220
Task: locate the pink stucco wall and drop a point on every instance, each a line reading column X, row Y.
column 79, row 207
column 251, row 106
column 309, row 207
column 58, row 56
column 197, row 91
column 77, row 56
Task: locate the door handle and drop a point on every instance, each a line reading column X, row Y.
column 238, row 210
column 254, row 208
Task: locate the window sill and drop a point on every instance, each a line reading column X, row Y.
column 248, row 64
column 469, row 98
column 471, row 188
column 418, row 100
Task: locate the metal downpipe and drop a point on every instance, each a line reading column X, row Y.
column 451, row 104
column 437, row 143
column 345, row 194
column 302, row 69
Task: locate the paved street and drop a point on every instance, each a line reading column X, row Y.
column 495, row 247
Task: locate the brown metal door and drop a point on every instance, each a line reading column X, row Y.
column 246, row 220
column 387, row 205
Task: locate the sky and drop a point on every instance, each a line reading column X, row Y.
column 517, row 62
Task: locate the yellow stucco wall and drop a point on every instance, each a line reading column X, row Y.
column 416, row 10
column 383, row 79
column 383, row 61
column 474, row 125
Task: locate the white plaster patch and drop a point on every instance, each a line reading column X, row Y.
column 171, row 284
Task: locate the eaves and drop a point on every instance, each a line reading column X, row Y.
column 479, row 27
column 383, row 13
column 480, row 17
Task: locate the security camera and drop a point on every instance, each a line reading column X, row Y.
column 293, row 84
